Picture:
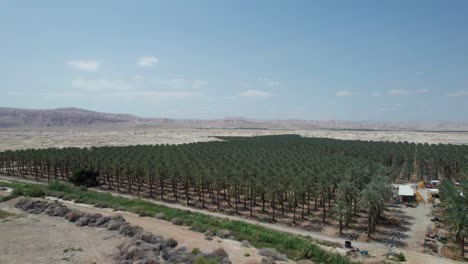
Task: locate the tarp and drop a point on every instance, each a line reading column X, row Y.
column 405, row 190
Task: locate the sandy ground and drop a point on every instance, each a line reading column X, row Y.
column 119, row 136
column 181, row 234
column 30, row 238
column 27, row 232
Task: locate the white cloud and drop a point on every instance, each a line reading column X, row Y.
column 179, row 83
column 401, row 92
column 147, row 61
column 269, row 82
column 458, row 93
column 422, row 91
column 84, row 65
column 255, row 94
column 16, row 93
column 124, row 90
column 344, row 93
column 60, row 95
column 151, row 95
column 98, row 85
column 390, row 108
column 398, row 92
column 138, row 78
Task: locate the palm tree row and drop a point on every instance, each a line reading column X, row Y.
column 454, row 201
column 279, row 176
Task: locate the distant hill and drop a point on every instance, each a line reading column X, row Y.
column 75, row 117
column 12, row 117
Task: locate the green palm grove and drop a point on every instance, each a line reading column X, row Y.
column 268, row 176
column 454, row 199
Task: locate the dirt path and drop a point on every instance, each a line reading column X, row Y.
column 31, row 238
column 374, row 248
column 421, row 221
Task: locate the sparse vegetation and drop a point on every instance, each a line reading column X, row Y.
column 72, row 249
column 401, row 257
column 196, row 251
column 4, row 214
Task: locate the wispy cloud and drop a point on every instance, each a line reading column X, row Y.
column 84, row 65
column 254, row 94
column 61, row 95
column 15, row 93
column 344, row 93
column 458, row 93
column 147, row 61
column 401, row 92
column 179, row 83
column 390, row 108
column 422, row 91
column 150, row 95
column 398, row 92
column 135, row 88
column 269, row 82
column 99, row 85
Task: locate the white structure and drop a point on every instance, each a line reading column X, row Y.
column 405, row 193
column 435, row 183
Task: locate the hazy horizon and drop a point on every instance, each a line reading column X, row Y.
column 361, row 61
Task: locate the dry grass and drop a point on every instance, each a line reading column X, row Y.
column 4, row 214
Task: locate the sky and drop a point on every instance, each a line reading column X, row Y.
column 343, row 60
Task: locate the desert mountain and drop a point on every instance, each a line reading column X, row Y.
column 12, row 117
column 72, row 117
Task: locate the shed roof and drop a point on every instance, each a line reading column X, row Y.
column 405, row 190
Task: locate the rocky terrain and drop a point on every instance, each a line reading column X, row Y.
column 142, row 247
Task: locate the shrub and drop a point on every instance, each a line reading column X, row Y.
column 272, row 253
column 58, row 186
column 196, row 251
column 203, row 260
column 31, row 191
column 84, row 177
column 401, row 257
column 34, row 191
column 18, row 191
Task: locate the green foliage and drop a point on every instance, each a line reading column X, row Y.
column 401, row 257
column 8, row 197
column 85, row 177
column 203, row 260
column 32, row 191
column 196, row 251
column 454, row 199
column 72, row 249
column 55, row 185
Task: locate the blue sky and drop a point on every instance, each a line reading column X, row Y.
column 344, row 60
